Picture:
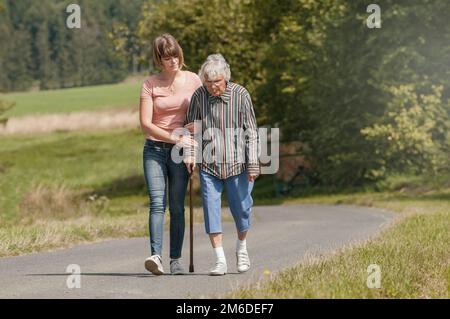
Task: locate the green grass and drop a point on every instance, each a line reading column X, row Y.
column 412, row 256
column 92, row 98
column 412, row 253
column 53, row 234
column 71, row 165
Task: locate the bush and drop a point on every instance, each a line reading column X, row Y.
column 411, row 135
column 5, row 106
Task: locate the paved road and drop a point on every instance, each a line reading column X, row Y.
column 280, row 237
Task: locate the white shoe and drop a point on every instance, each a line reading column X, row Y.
column 219, row 269
column 243, row 261
column 154, row 265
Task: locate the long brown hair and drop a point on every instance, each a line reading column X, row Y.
column 167, row 46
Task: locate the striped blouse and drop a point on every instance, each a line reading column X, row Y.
column 229, row 131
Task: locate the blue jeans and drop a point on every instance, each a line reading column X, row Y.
column 240, row 201
column 163, row 176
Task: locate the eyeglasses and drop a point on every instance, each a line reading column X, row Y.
column 216, row 82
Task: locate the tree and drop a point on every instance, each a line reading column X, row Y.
column 37, row 45
column 406, row 135
column 203, row 27
column 14, row 53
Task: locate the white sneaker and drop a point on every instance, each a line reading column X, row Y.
column 219, row 269
column 154, row 265
column 243, row 261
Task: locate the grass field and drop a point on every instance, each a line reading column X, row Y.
column 92, row 98
column 73, row 163
column 62, row 180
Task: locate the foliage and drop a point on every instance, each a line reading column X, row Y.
column 408, row 135
column 38, row 47
column 327, row 75
column 204, row 27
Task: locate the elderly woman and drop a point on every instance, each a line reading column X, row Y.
column 165, row 98
column 229, row 131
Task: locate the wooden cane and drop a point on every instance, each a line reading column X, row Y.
column 191, row 226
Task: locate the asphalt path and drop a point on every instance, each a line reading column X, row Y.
column 280, row 237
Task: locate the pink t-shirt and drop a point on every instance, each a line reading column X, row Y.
column 169, row 110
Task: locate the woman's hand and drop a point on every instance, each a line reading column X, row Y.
column 189, row 145
column 194, row 127
column 186, row 141
column 252, row 177
column 190, row 127
column 190, row 164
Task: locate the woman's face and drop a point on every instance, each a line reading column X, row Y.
column 170, row 63
column 216, row 86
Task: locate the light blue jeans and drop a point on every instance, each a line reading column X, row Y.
column 240, row 201
column 165, row 177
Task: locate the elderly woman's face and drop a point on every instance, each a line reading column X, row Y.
column 216, row 86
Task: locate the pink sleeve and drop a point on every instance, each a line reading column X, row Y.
column 147, row 89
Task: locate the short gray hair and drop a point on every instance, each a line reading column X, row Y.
column 214, row 66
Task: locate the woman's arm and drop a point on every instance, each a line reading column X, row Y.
column 146, row 116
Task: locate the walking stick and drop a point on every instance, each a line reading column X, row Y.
column 191, row 228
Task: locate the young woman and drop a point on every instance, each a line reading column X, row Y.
column 165, row 98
